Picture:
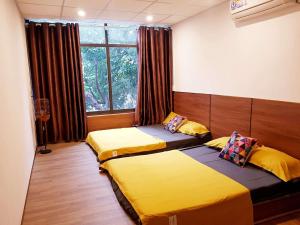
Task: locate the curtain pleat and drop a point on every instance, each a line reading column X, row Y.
column 155, row 97
column 56, row 72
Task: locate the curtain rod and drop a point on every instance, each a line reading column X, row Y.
column 39, row 23
column 156, row 27
column 50, row 24
column 53, row 24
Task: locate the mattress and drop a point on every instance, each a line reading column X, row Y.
column 176, row 140
column 261, row 184
column 124, row 142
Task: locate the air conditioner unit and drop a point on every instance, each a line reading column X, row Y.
column 244, row 9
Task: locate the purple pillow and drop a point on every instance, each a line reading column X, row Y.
column 175, row 123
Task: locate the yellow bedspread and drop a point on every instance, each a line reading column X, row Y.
column 170, row 188
column 115, row 142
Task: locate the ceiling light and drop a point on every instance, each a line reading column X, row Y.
column 81, row 13
column 149, row 18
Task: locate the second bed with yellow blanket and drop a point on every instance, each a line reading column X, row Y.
column 121, row 142
column 116, row 142
column 189, row 194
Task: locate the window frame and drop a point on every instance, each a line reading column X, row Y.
column 107, row 47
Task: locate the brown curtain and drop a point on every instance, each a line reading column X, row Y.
column 155, row 69
column 56, row 72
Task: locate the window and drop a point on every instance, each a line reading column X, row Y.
column 109, row 57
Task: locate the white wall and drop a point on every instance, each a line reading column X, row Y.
column 17, row 143
column 261, row 59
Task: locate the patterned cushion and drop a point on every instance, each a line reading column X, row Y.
column 175, row 123
column 169, row 118
column 238, row 148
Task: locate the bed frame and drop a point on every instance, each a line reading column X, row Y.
column 276, row 207
column 273, row 123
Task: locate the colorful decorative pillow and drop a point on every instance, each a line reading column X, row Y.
column 193, row 128
column 238, row 149
column 219, row 143
column 169, row 118
column 279, row 163
column 175, row 123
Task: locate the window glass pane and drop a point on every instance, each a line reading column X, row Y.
column 122, row 35
column 91, row 35
column 95, row 79
column 124, row 77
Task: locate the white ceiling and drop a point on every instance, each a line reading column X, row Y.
column 135, row 11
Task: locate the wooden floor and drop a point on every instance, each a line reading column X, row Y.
column 66, row 188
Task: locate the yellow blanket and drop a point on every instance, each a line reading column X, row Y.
column 170, row 188
column 115, row 142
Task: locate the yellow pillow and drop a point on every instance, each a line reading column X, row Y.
column 169, row 118
column 193, row 128
column 279, row 163
column 218, row 143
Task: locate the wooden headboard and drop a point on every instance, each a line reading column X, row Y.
column 274, row 123
column 194, row 106
column 277, row 124
column 229, row 114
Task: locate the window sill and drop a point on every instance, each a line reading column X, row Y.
column 117, row 112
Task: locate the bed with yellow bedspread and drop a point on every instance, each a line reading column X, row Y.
column 190, row 194
column 122, row 141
